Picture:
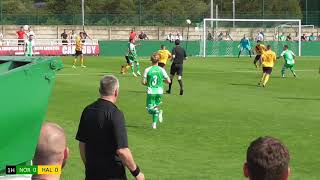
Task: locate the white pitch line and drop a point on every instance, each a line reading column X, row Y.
column 218, row 72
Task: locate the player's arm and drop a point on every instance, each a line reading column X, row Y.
column 144, row 78
column 173, row 54
column 89, row 36
column 185, row 55
column 82, row 148
column 166, row 77
column 281, row 55
column 293, row 55
column 169, row 55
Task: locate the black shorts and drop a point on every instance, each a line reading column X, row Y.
column 176, row 69
column 161, row 64
column 256, row 59
column 64, row 42
column 267, row 70
column 21, row 42
column 127, row 58
column 78, row 53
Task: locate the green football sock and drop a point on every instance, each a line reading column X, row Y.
column 155, row 117
column 132, row 68
column 155, row 114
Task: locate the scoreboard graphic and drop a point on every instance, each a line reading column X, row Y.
column 33, row 169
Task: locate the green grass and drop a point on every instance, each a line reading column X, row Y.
column 205, row 132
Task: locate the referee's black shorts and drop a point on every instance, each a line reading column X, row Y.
column 176, row 69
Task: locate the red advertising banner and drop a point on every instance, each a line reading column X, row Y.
column 58, row 50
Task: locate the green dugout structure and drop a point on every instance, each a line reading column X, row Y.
column 213, row 48
column 26, row 85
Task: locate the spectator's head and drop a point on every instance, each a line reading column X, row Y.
column 30, row 37
column 132, row 30
column 21, row 28
column 72, row 31
column 268, row 47
column 267, row 159
column 109, row 87
column 64, row 30
column 177, row 42
column 244, row 36
column 155, row 58
column 81, row 34
column 163, row 47
column 285, row 47
column 52, row 146
column 141, row 32
column 311, row 34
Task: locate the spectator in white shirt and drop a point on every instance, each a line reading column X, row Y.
column 260, row 36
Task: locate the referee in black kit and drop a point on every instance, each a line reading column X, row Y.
column 103, row 139
column 178, row 56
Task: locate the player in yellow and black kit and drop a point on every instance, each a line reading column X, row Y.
column 164, row 56
column 267, row 60
column 259, row 49
column 78, row 52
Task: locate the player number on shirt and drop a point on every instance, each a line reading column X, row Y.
column 155, row 80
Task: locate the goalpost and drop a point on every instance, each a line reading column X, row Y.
column 224, row 38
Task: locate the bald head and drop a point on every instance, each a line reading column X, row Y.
column 52, row 147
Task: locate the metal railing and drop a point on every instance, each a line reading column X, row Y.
column 48, row 42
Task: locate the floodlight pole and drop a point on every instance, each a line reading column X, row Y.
column 82, row 6
column 187, row 39
column 211, row 13
column 1, row 11
column 306, row 11
column 233, row 11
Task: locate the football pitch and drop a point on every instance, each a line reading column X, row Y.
column 206, row 131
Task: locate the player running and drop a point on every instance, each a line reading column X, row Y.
column 267, row 59
column 289, row 62
column 153, row 78
column 79, row 46
column 260, row 48
column 244, row 45
column 178, row 55
column 29, row 44
column 124, row 68
column 164, row 56
column 133, row 57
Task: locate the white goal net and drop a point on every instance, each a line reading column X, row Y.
column 221, row 37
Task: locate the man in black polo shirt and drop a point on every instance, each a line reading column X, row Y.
column 64, row 37
column 178, row 55
column 103, row 139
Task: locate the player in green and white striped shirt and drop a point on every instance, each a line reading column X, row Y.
column 154, row 78
column 29, row 46
column 133, row 57
column 289, row 61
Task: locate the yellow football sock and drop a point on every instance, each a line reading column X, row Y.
column 262, row 79
column 266, row 79
column 74, row 61
column 82, row 61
